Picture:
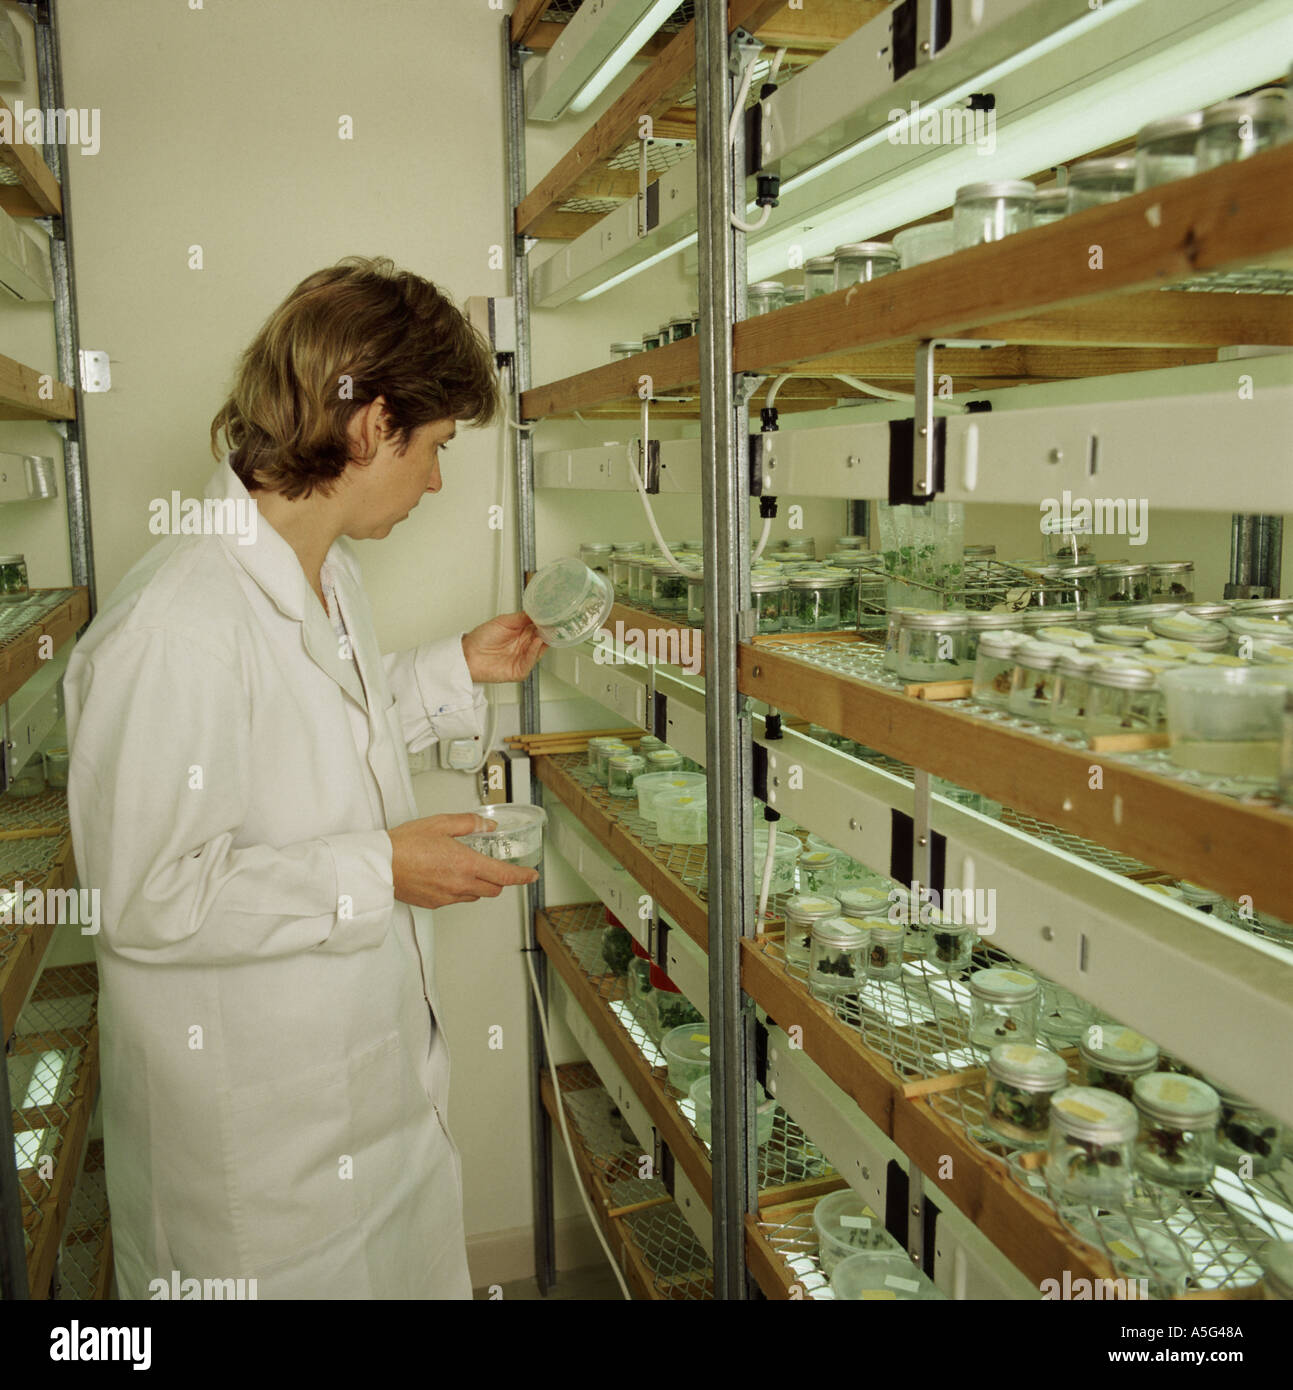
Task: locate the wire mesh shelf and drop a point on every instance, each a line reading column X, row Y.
column 17, row 618
column 84, row 1259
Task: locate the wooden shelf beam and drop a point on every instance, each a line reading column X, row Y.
column 22, row 655
column 23, row 394
column 37, row 194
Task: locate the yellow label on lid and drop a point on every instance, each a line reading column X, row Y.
column 1017, row 977
column 1077, row 1108
column 1129, row 1042
column 700, row 1037
column 1173, row 1088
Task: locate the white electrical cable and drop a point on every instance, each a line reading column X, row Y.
column 881, row 393
column 565, row 1132
column 763, row 540
column 776, row 65
column 642, row 492
column 768, row 862
column 753, row 226
column 738, row 106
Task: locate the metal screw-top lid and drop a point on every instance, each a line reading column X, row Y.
column 1175, row 1099
column 1039, row 656
column 808, row 907
column 626, row 347
column 1001, row 644
column 766, row 287
column 1124, row 567
column 997, row 188
column 1168, row 127
column 1114, row 676
column 1197, row 896
column 864, row 902
column 818, row 579
column 820, row 264
column 597, row 547
column 1100, row 170
column 871, row 250
column 1252, row 607
column 1078, row 572
column 1270, row 104
column 835, row 931
column 1085, row 1112
column 1003, row 986
column 1027, row 1067
column 936, row 622
column 984, row 622
column 766, row 583
column 1212, row 610
column 1075, row 663
column 1051, row 200
column 1115, row 1048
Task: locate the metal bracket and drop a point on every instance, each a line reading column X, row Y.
column 923, row 444
column 643, row 221
column 96, row 372
column 915, row 1214
column 742, row 49
column 917, row 447
column 922, row 846
column 762, row 462
column 651, row 473
column 920, row 29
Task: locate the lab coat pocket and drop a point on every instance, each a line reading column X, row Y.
column 301, row 1148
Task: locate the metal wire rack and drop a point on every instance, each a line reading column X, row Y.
column 793, row 1237
column 86, row 1241
column 16, row 618
column 983, row 585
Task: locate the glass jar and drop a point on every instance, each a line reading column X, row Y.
column 1165, row 150
column 813, row 601
column 1032, row 685
column 990, row 211
column 696, row 599
column 1248, row 1139
column 13, row 579
column 1071, row 691
column 597, row 555
column 1095, row 182
column 792, row 294
column 1021, row 1080
column 862, row 904
column 639, row 571
column 1177, row 1143
column 859, row 261
column 622, row 558
column 951, row 947
column 1050, row 205
column 1123, row 699
column 837, row 957
column 56, row 764
column 680, row 328
column 1064, row 1017
column 668, row 590
column 976, row 624
column 768, row 595
column 1124, row 583
column 994, row 668
column 1004, row 1006
column 929, row 241
column 802, row 911
column 622, row 770
column 1171, row 580
column 1112, row 1057
column 819, row 276
column 650, row 341
column 663, row 759
column 1239, row 129
column 871, row 585
column 763, row 298
column 626, row 349
column 786, row 850
column 1090, row 1145
column 884, row 950
column 29, row 780
column 638, row 991
column 598, row 749
column 934, row 647
column 1082, row 583
column 818, row 869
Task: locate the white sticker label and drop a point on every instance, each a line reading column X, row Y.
column 856, row 1223
column 907, row 1285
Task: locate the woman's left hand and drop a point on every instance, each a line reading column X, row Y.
column 503, row 649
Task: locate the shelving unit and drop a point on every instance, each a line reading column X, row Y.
column 1069, row 857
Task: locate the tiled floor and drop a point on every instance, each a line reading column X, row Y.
column 595, row 1283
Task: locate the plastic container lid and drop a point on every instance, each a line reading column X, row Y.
column 819, row 858
column 879, row 1275
column 1120, row 1048
column 1003, row 986
column 1164, row 1095
column 689, row 1042
column 1028, row 1067
column 513, row 819
column 948, row 622
column 559, row 592
column 1086, row 1112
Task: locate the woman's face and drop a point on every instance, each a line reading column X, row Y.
column 386, row 490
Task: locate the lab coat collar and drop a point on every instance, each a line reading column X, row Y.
column 273, row 565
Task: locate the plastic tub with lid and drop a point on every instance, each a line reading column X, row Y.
column 567, row 601
column 686, row 1050
column 765, row 1111
column 846, row 1226
column 517, row 836
column 875, row 1275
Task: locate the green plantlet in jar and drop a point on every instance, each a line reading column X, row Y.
column 947, row 946
column 617, row 949
column 835, row 965
column 1026, row 1114
column 673, row 1010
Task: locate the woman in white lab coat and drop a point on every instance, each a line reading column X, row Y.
column 274, row 1079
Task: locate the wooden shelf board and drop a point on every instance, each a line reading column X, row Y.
column 38, row 194
column 21, row 394
column 21, row 655
column 1212, row 840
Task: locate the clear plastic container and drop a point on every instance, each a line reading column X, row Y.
column 568, row 601
column 639, row 572
column 812, row 601
column 1248, row 1139
column 991, row 211
column 875, row 1275
column 29, row 780
column 1124, row 583
column 884, row 950
column 1090, row 1146
column 1004, row 1007
column 13, row 579
column 931, row 241
column 651, row 785
column 680, row 817
column 1171, row 581
column 622, row 770
column 846, row 1226
column 763, row 298
column 994, row 668
column 1177, row 1143
column 56, row 765
column 860, row 261
column 837, row 957
column 1239, row 129
column 668, row 590
column 1166, row 150
column 517, row 836
column 1032, row 686
column 670, row 1007
column 1111, row 1057
column 934, row 647
column 686, row 1050
column 1122, row 699
column 1227, row 720
column 819, row 276
column 1095, row 182
column 765, row 1112
column 786, row 850
column 1021, row 1080
column 801, row 912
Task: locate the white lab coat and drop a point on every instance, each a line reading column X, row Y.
column 274, row 1080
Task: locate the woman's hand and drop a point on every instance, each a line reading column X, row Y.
column 503, row 649
column 431, row 869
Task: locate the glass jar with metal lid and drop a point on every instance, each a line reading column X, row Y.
column 1177, row 1143
column 56, row 765
column 863, row 904
column 1004, row 1005
column 763, row 297
column 1067, row 541
column 13, row 578
column 680, row 328
column 622, row 556
column 668, row 589
column 1203, row 633
column 1090, row 1146
column 1262, row 608
column 813, row 600
column 696, row 598
column 639, row 569
column 802, row 911
column 818, row 867
column 951, row 947
column 1241, row 128
column 976, row 624
column 1123, row 699
column 650, row 341
column 1112, row 1057
column 870, row 598
column 992, row 210
column 625, row 349
column 792, row 294
column 1032, row 686
column 934, row 647
column 600, row 751
column 768, row 594
column 884, row 949
column 1171, row 579
column 1034, row 620
column 1095, row 182
column 597, row 555
column 1071, row 689
column 994, row 667
column 819, row 276
column 1083, row 582
column 1248, row 1139
column 1124, row 583
column 837, row 957
column 1021, row 1080
column 622, row 770
column 1166, row 150
column 1050, row 205
column 859, row 261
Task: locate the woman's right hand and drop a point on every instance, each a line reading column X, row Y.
column 431, row 869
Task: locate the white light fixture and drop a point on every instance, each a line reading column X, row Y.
column 638, row 268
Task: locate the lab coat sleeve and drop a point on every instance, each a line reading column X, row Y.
column 435, row 693
column 160, row 781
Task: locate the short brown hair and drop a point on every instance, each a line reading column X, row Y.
column 345, row 336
